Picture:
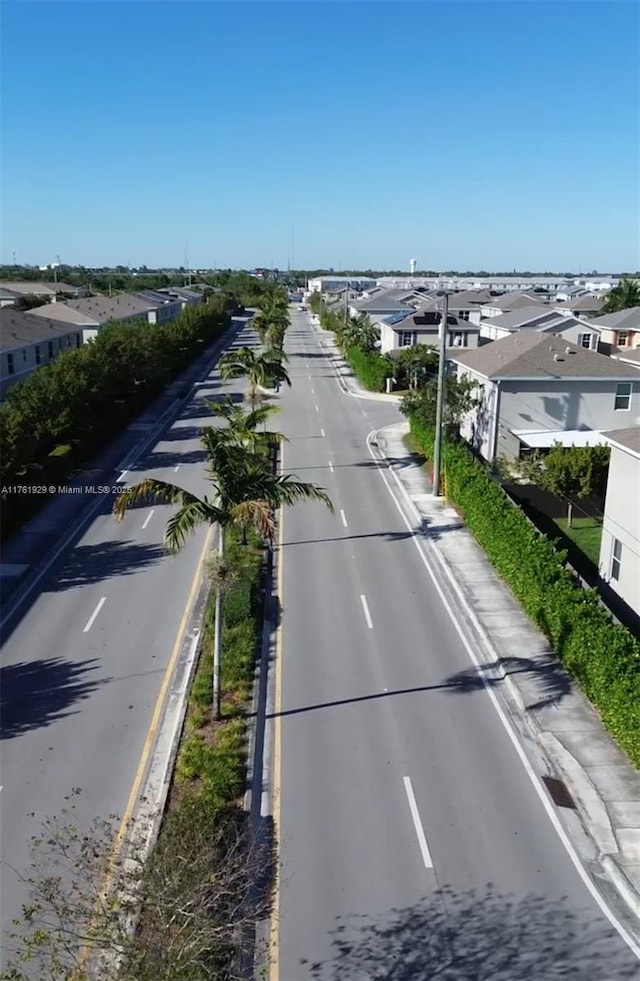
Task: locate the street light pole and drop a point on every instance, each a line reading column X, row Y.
column 437, row 445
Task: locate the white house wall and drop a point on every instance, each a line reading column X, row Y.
column 622, row 522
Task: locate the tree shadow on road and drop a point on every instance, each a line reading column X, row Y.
column 476, row 936
column 34, row 694
column 552, row 683
column 87, row 564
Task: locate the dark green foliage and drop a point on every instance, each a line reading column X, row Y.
column 370, row 368
column 603, row 658
column 64, row 412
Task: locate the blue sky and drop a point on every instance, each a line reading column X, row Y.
column 465, row 135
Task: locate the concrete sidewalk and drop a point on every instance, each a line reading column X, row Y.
column 544, row 702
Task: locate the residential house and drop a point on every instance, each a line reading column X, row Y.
column 619, row 330
column 461, row 304
column 535, row 390
column 498, row 305
column 379, row 306
column 543, row 319
column 619, row 562
column 187, row 297
column 402, row 330
column 10, row 291
column 93, row 312
column 586, row 305
column 166, row 307
column 27, row 342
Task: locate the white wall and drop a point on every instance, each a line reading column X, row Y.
column 622, row 522
column 25, row 359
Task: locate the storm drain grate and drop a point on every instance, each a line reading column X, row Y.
column 559, row 793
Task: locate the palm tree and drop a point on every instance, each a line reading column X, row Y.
column 272, row 317
column 246, row 493
column 260, row 369
column 361, row 332
column 626, row 294
column 243, row 426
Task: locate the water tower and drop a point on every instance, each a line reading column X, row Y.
column 412, row 266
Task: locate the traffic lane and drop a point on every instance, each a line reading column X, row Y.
column 98, row 691
column 508, row 838
column 346, row 838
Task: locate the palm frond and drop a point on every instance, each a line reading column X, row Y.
column 150, row 491
column 257, row 513
column 184, row 522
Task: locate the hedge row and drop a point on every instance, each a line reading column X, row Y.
column 602, row 657
column 52, row 423
column 370, row 368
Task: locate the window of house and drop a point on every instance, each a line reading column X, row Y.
column 623, row 396
column 38, row 354
column 50, row 349
column 458, row 339
column 616, row 559
column 78, row 340
column 24, row 354
column 406, row 338
column 10, row 365
column 584, row 340
column 623, row 338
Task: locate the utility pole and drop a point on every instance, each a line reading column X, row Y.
column 437, row 445
column 346, row 306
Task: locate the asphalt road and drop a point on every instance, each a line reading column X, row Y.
column 83, row 666
column 412, row 840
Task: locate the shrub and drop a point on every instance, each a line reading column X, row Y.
column 371, row 369
column 602, row 657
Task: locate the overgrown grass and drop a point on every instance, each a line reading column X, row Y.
column 586, row 534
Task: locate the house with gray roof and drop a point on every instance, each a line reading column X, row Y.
column 402, row 330
column 619, row 563
column 586, row 304
column 187, row 297
column 498, row 305
column 619, row 330
column 28, row 342
column 547, row 320
column 536, row 390
column 379, row 306
column 93, row 312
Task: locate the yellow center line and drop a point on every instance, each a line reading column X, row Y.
column 154, row 725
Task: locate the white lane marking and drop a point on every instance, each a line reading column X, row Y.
column 309, row 377
column 92, row 618
column 317, row 409
column 367, row 615
column 531, row 773
column 322, row 433
column 122, row 476
column 364, row 412
column 330, row 466
column 313, row 393
column 176, row 468
column 147, row 519
column 417, row 823
column 344, row 518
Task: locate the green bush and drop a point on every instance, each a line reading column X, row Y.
column 602, row 657
column 370, row 368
